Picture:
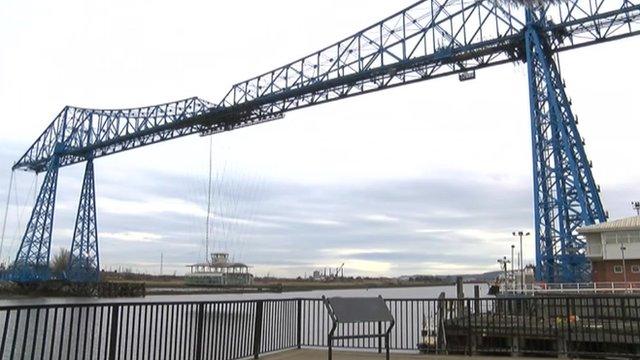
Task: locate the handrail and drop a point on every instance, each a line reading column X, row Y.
column 592, row 287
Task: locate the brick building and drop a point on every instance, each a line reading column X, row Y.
column 606, row 243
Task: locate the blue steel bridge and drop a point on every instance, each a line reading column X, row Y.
column 429, row 39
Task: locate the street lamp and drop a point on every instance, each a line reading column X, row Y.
column 503, row 266
column 513, row 274
column 521, row 256
column 624, row 267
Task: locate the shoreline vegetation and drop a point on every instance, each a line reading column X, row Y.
column 174, row 285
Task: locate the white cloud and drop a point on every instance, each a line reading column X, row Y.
column 323, row 222
column 380, row 218
column 150, row 206
column 131, row 236
column 432, row 231
column 355, row 251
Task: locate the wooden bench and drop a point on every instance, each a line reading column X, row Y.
column 353, row 310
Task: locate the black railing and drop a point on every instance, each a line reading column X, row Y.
column 227, row 330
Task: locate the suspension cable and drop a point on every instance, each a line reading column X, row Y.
column 6, row 213
column 206, row 238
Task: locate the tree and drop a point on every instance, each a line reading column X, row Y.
column 60, row 261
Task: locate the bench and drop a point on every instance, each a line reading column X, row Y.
column 353, row 310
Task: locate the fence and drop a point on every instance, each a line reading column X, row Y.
column 227, row 330
column 573, row 288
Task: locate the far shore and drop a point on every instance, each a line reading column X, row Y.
column 174, row 285
column 288, row 287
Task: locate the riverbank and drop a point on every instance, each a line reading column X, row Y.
column 173, row 287
column 284, row 287
column 58, row 288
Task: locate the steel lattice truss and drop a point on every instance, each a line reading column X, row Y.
column 429, row 39
column 32, row 260
column 565, row 194
column 84, row 263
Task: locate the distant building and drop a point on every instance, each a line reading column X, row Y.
column 317, row 275
column 604, row 242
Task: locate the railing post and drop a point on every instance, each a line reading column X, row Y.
column 380, row 338
column 113, row 331
column 257, row 334
column 568, row 320
column 470, row 334
column 299, row 333
column 200, row 325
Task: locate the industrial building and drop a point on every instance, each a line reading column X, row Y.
column 614, row 250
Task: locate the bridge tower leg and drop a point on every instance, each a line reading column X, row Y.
column 565, row 194
column 84, row 262
column 32, row 261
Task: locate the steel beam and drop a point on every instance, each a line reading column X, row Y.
column 429, row 39
column 84, row 261
column 32, row 261
column 565, row 194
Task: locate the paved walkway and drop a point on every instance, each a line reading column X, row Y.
column 308, row 354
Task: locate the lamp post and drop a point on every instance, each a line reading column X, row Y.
column 521, row 234
column 503, row 266
column 513, row 274
column 624, row 267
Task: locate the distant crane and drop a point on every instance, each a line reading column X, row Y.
column 340, row 271
column 426, row 40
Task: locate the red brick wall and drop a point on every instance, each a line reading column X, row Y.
column 603, row 271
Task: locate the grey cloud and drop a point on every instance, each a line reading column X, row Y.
column 287, row 225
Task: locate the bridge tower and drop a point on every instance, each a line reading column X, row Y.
column 32, row 260
column 565, row 194
column 84, row 262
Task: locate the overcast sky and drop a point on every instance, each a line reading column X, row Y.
column 429, row 178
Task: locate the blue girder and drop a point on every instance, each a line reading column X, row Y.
column 426, row 40
column 565, row 194
column 84, row 261
column 32, row 260
column 429, row 39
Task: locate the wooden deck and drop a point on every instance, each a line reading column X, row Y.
column 312, row 354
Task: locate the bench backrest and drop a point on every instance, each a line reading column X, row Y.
column 358, row 309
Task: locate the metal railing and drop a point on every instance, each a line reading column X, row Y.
column 573, row 288
column 228, row 330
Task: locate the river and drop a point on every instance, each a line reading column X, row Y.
column 388, row 293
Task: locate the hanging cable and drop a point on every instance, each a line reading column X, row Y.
column 21, row 208
column 6, row 213
column 206, row 237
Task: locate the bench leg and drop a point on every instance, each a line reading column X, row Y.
column 329, row 352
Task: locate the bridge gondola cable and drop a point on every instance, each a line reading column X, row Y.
column 6, row 213
column 207, row 232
